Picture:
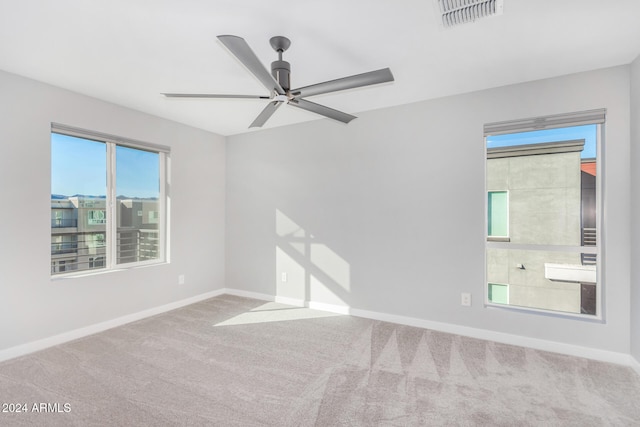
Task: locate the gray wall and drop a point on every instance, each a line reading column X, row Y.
column 635, row 212
column 387, row 214
column 32, row 306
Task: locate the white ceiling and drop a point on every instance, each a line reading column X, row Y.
column 129, row 51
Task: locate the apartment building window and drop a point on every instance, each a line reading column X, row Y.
column 499, row 293
column 543, row 184
column 100, row 185
column 498, row 215
column 96, row 262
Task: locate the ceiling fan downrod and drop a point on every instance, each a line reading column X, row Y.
column 280, row 69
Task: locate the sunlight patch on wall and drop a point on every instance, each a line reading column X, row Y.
column 331, row 264
column 320, row 292
column 275, row 312
column 307, row 269
column 286, row 227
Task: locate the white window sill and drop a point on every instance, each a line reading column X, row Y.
column 97, row 272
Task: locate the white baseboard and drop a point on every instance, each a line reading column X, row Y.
column 538, row 344
column 44, row 343
column 331, row 308
column 511, row 339
column 247, row 294
column 504, row 338
column 635, row 364
column 290, row 301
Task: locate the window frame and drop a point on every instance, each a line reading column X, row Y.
column 591, row 117
column 111, row 232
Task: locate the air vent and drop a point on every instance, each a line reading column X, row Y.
column 456, row 12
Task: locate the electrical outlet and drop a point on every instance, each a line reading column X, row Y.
column 181, row 279
column 283, row 276
column 466, row 299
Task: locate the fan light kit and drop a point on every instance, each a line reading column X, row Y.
column 278, row 82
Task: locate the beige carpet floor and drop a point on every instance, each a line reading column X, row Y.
column 231, row 361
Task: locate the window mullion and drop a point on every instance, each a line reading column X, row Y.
column 163, row 208
column 111, row 205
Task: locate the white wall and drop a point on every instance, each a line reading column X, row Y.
column 635, row 211
column 387, row 214
column 32, row 306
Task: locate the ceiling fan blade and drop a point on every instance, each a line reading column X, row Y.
column 241, row 50
column 322, row 110
column 212, row 95
column 265, row 114
column 365, row 79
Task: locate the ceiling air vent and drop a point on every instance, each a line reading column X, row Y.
column 456, row 12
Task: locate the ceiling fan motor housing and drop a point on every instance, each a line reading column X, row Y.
column 281, row 71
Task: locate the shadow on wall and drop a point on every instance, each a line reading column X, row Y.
column 307, row 269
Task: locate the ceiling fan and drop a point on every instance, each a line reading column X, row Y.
column 278, row 82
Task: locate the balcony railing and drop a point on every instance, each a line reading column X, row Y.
column 64, row 223
column 137, row 245
column 65, row 250
column 589, row 239
column 89, row 253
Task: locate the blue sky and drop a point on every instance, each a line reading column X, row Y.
column 587, row 132
column 78, row 166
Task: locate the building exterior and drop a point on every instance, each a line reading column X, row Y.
column 544, row 195
column 78, row 232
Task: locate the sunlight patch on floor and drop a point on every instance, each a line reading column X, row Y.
column 275, row 312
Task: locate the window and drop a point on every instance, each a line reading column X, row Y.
column 96, row 262
column 498, row 293
column 100, row 187
column 498, row 214
column 96, row 217
column 543, row 187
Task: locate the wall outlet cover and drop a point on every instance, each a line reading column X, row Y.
column 466, row 299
